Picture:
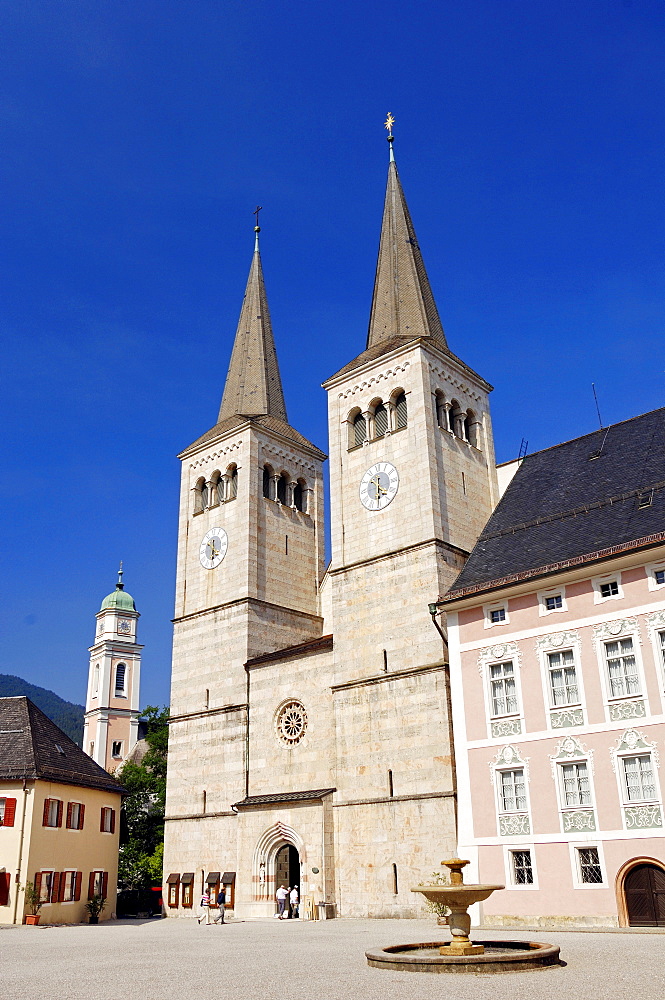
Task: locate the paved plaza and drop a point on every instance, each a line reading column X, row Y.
column 297, row 960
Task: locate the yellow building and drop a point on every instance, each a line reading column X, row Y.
column 59, row 819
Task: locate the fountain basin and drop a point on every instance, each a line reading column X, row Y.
column 456, row 895
column 497, row 957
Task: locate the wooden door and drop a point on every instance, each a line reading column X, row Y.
column 645, row 896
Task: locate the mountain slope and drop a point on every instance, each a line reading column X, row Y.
column 64, row 713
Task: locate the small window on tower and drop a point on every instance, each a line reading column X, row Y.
column 400, row 411
column 359, row 429
column 116, row 748
column 120, row 674
column 380, row 421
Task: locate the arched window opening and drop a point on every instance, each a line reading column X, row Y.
column 440, row 414
column 380, row 421
column 359, row 429
column 267, row 477
column 200, row 496
column 95, row 682
column 471, row 424
column 282, row 488
column 299, row 496
column 232, row 482
column 216, row 488
column 456, row 418
column 120, row 672
column 400, row 410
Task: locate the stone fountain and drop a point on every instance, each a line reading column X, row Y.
column 461, row 954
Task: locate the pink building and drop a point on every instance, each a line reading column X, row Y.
column 556, row 630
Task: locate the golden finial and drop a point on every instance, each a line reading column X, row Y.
column 389, row 122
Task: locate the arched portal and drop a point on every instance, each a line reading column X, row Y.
column 279, row 847
column 641, row 893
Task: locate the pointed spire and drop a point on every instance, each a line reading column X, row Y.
column 402, row 304
column 253, row 384
column 120, row 585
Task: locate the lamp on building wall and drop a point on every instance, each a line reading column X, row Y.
column 434, row 611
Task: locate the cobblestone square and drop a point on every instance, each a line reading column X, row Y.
column 297, row 960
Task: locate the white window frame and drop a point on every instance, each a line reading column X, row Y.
column 517, row 713
column 500, row 771
column 651, row 569
column 120, row 692
column 655, row 623
column 107, row 812
column 509, row 758
column 99, row 878
column 77, row 828
column 54, row 804
column 632, row 748
column 626, row 628
column 46, row 871
column 623, row 777
column 495, row 606
column 548, row 677
column 574, row 847
column 598, row 581
column 606, row 668
column 64, row 875
column 117, row 756
column 542, row 596
column 508, row 852
column 561, row 642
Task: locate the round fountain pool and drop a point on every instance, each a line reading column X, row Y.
column 499, row 956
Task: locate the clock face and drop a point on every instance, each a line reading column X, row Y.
column 213, row 548
column 378, row 486
column 124, row 627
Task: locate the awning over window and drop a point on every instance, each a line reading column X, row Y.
column 187, row 878
column 173, row 878
column 213, row 878
column 228, row 878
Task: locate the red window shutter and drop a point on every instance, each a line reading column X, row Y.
column 4, row 888
column 112, row 820
column 105, row 884
column 63, row 888
column 10, row 812
column 77, row 886
column 101, row 820
column 70, row 809
column 58, row 822
column 55, row 887
column 38, row 882
column 47, row 803
column 81, row 815
column 91, row 885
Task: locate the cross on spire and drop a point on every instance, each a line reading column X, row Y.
column 389, row 122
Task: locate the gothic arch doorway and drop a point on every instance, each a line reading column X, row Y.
column 287, row 867
column 643, row 893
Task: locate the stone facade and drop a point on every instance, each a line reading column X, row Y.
column 313, row 709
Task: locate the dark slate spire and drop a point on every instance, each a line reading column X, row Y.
column 253, row 384
column 402, row 304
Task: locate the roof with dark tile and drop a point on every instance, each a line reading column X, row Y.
column 263, row 420
column 31, row 746
column 382, row 347
column 273, row 797
column 565, row 507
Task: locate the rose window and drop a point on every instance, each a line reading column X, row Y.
column 291, row 723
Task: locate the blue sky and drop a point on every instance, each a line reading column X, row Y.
column 138, row 138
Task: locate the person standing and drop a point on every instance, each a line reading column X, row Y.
column 281, row 896
column 294, row 900
column 221, row 902
column 204, row 907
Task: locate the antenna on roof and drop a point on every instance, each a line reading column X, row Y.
column 593, row 386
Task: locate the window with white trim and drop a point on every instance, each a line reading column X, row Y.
column 67, row 887
column 589, row 869
column 511, row 791
column 622, row 672
column 575, row 787
column 116, row 748
column 607, row 588
column 120, row 677
column 639, row 779
column 46, row 886
column 659, row 577
column 521, row 868
column 502, row 689
column 661, row 638
column 554, row 602
column 496, row 614
column 564, row 689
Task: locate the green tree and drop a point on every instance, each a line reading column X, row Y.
column 142, row 817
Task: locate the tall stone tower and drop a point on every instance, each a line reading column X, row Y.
column 110, row 729
column 414, row 482
column 250, row 558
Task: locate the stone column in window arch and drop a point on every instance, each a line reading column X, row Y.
column 458, row 417
column 392, row 416
column 274, row 480
column 290, row 487
column 307, row 500
column 475, row 435
column 213, row 495
column 447, row 418
column 224, row 487
column 369, row 426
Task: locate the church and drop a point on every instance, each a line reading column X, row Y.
column 310, row 738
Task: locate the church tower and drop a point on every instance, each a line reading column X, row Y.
column 250, row 558
column 110, row 728
column 411, row 444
